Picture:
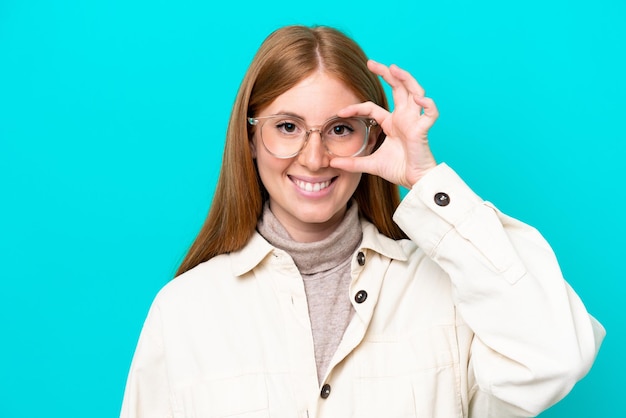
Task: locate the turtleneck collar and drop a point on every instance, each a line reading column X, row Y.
column 319, row 256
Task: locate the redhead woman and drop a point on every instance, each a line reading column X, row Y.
column 312, row 290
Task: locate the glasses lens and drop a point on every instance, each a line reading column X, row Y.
column 345, row 137
column 283, row 136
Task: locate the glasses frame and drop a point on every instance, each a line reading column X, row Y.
column 369, row 123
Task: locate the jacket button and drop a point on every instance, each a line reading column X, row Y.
column 360, row 258
column 360, row 296
column 442, row 199
column 325, row 391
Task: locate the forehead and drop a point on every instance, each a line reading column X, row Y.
column 315, row 99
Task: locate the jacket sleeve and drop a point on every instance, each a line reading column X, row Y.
column 533, row 338
column 147, row 393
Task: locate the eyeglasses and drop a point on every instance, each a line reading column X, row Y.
column 284, row 136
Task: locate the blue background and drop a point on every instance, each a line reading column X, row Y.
column 112, row 122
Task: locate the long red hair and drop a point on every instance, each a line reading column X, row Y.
column 286, row 57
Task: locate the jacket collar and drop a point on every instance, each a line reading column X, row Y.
column 250, row 255
column 258, row 248
column 382, row 244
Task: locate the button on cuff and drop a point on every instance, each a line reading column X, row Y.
column 442, row 199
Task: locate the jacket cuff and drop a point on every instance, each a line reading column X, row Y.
column 438, row 203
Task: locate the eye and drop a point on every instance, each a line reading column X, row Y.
column 286, row 127
column 341, row 128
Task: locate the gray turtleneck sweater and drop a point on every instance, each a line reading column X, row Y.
column 325, row 269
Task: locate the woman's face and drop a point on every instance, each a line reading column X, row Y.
column 306, row 195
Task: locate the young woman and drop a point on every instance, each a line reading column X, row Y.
column 312, row 291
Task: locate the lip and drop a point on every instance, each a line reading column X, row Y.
column 313, row 187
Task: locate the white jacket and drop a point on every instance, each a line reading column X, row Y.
column 469, row 318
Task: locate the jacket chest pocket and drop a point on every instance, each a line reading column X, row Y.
column 234, row 397
column 429, row 393
column 389, row 397
column 417, row 376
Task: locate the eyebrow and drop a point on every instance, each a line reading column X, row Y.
column 295, row 115
column 292, row 114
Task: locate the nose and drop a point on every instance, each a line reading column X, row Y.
column 314, row 155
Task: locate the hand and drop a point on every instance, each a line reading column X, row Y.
column 404, row 156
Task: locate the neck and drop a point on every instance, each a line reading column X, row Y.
column 315, row 256
column 312, row 232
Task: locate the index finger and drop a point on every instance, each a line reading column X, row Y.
column 367, row 109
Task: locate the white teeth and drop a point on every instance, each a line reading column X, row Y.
column 311, row 187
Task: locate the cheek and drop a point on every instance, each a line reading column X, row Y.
column 271, row 169
column 354, row 180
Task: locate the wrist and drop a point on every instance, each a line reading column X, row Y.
column 417, row 175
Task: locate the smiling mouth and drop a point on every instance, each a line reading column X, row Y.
column 311, row 187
